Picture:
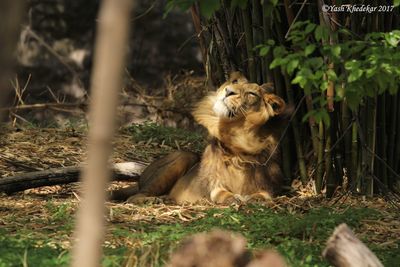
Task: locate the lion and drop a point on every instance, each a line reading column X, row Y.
column 244, row 121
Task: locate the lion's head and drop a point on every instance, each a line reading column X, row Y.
column 241, row 101
column 242, row 115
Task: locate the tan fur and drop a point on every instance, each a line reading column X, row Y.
column 244, row 123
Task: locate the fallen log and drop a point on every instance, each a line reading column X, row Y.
column 121, row 171
column 344, row 249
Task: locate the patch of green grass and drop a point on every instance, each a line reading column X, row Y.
column 152, row 132
column 299, row 237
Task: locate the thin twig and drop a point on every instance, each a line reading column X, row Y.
column 295, row 19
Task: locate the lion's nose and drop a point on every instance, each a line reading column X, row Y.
column 229, row 92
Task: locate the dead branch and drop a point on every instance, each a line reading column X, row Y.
column 121, row 171
column 44, row 106
column 344, row 249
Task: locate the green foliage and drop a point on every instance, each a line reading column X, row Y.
column 361, row 68
column 240, row 3
column 208, row 7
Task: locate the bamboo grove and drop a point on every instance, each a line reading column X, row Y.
column 340, row 70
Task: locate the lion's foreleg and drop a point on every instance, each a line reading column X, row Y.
column 223, row 196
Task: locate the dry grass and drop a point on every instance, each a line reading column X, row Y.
column 45, row 215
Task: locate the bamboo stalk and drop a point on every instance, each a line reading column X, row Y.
column 382, row 140
column 354, row 156
column 320, row 158
column 330, row 183
column 267, row 35
column 313, row 127
column 392, row 135
column 296, row 133
column 251, row 67
column 347, row 141
column 295, row 123
column 396, row 157
column 257, row 35
column 337, row 155
column 286, row 150
column 371, row 141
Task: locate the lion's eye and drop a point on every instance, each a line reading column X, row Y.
column 253, row 94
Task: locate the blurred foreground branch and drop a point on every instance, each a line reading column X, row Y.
column 11, row 16
column 110, row 48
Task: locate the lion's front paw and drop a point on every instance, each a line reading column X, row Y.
column 234, row 199
column 258, row 197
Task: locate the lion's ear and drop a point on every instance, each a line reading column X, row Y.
column 268, row 88
column 277, row 104
column 237, row 77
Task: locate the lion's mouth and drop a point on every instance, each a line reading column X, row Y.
column 222, row 110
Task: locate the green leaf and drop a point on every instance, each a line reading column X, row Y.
column 370, row 72
column 382, row 82
column 355, row 74
column 309, row 49
column 309, row 114
column 323, row 86
column 331, row 75
column 279, row 51
column 208, row 7
column 392, row 39
column 240, row 3
column 339, row 89
column 259, row 46
column 292, row 65
column 301, row 80
column 310, row 27
column 325, row 117
column 264, row 50
column 276, row 62
column 318, row 74
column 270, row 42
column 396, row 2
column 336, row 49
column 351, row 65
column 352, row 98
column 274, row 2
column 321, row 33
column 315, row 62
